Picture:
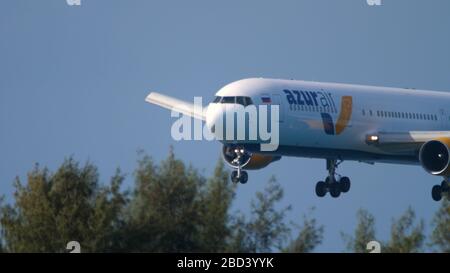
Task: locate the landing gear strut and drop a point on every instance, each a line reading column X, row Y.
column 332, row 185
column 239, row 175
column 439, row 190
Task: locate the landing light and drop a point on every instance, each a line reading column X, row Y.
column 371, row 139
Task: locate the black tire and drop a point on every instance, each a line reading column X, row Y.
column 444, row 186
column 321, row 189
column 234, row 177
column 335, row 190
column 244, row 177
column 345, row 184
column 436, row 193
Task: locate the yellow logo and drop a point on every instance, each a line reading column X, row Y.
column 345, row 114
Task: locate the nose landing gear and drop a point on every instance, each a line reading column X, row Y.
column 239, row 175
column 332, row 185
column 440, row 190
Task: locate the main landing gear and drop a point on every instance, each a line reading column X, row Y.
column 440, row 190
column 332, row 185
column 238, row 175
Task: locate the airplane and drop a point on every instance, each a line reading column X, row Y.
column 336, row 122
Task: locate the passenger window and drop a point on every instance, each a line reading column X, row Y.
column 248, row 101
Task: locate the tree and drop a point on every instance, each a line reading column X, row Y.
column 405, row 236
column 266, row 229
column 165, row 214
column 309, row 237
column 364, row 232
column 70, row 205
column 440, row 238
column 1, row 230
column 216, row 203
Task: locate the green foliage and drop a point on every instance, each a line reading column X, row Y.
column 2, row 250
column 266, row 230
column 173, row 208
column 166, row 208
column 406, row 237
column 364, row 232
column 440, row 238
column 53, row 209
column 310, row 236
column 217, row 201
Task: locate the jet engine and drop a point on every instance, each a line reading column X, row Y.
column 434, row 156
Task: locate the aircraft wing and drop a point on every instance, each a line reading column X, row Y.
column 404, row 141
column 177, row 105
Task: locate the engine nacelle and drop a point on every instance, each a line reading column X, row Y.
column 434, row 156
column 248, row 161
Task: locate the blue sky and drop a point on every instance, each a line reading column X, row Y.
column 73, row 82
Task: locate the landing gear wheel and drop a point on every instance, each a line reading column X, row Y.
column 321, row 189
column 234, row 177
column 444, row 186
column 244, row 177
column 335, row 190
column 331, row 184
column 436, row 193
column 345, row 184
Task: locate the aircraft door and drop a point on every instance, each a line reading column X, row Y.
column 277, row 101
column 444, row 119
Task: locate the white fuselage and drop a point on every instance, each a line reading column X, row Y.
column 329, row 120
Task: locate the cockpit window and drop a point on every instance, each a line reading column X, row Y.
column 248, row 101
column 244, row 101
column 228, row 100
column 238, row 100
